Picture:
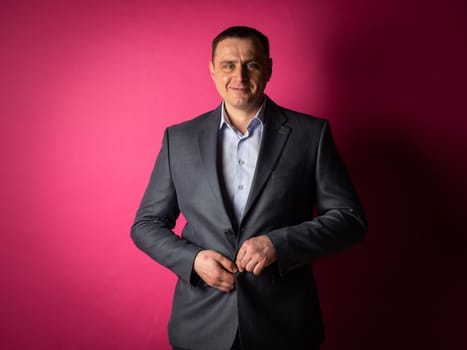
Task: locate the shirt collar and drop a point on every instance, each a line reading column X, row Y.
column 259, row 116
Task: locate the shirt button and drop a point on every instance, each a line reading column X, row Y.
column 241, row 162
column 240, row 187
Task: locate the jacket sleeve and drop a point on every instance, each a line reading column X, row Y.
column 156, row 218
column 340, row 221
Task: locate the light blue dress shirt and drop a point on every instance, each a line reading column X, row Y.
column 239, row 153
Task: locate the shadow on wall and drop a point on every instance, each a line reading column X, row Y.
column 404, row 287
column 415, row 252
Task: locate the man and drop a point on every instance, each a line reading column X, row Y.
column 247, row 177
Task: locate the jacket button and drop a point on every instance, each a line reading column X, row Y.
column 228, row 232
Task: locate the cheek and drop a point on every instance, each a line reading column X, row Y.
column 257, row 80
column 262, row 82
column 220, row 82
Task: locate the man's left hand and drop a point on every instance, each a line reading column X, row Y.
column 255, row 254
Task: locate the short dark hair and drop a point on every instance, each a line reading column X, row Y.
column 242, row 32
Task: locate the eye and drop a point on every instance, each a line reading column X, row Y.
column 228, row 66
column 253, row 66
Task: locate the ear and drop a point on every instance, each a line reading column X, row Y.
column 211, row 69
column 269, row 68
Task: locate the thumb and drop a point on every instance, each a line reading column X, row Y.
column 227, row 264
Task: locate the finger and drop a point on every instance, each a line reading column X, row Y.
column 259, row 267
column 227, row 264
column 225, row 289
column 222, row 281
column 240, row 256
column 239, row 266
column 224, row 262
column 227, row 278
column 248, row 258
column 208, row 267
column 246, row 254
column 225, row 285
column 250, row 265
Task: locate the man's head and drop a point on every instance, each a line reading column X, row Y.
column 241, row 67
column 241, row 32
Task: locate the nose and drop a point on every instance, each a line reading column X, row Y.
column 242, row 72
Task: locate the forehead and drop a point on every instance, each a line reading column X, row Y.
column 250, row 47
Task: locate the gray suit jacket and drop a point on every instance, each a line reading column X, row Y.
column 301, row 197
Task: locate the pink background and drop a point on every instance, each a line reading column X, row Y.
column 86, row 90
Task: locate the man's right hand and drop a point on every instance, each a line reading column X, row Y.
column 216, row 270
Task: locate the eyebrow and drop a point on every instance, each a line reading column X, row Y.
column 235, row 61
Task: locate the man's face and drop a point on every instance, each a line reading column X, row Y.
column 240, row 70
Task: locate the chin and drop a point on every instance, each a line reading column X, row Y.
column 243, row 98
column 245, row 103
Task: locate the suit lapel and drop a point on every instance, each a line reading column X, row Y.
column 207, row 138
column 275, row 136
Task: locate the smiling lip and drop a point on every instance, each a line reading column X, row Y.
column 238, row 88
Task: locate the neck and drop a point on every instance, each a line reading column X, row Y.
column 240, row 118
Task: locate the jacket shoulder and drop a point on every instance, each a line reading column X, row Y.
column 300, row 115
column 302, row 120
column 195, row 123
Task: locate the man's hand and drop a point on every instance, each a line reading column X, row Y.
column 255, row 254
column 216, row 270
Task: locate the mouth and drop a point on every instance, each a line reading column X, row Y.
column 239, row 88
